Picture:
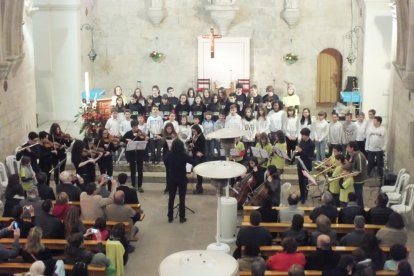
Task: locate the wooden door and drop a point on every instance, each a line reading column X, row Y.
column 329, row 76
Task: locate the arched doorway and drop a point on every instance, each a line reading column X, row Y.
column 329, row 76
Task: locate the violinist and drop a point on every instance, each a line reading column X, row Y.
column 47, row 154
column 32, row 149
column 83, row 162
column 198, row 149
column 107, row 145
column 135, row 158
column 61, row 141
column 168, row 134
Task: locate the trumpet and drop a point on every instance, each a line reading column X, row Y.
column 327, row 169
column 343, row 176
column 321, row 164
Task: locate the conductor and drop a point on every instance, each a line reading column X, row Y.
column 175, row 162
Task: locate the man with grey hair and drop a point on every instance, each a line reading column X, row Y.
column 286, row 215
column 258, row 267
column 326, row 208
column 66, row 185
column 355, row 237
column 324, row 257
column 32, row 199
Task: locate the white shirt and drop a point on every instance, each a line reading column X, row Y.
column 234, row 122
column 361, row 129
column 143, row 128
column 112, row 125
column 263, row 125
column 276, row 120
column 184, row 132
column 155, row 125
column 350, row 130
column 376, row 139
column 306, row 124
column 336, row 133
column 251, row 128
column 321, row 130
column 125, row 126
column 291, row 127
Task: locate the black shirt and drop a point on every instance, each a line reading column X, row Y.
column 328, row 210
column 348, row 213
column 34, row 155
column 379, row 215
column 176, row 165
column 131, row 196
column 45, row 192
column 72, row 191
column 308, row 149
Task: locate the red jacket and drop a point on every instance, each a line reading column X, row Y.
column 59, row 211
column 282, row 261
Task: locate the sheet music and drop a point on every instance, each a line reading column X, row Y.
column 188, row 167
column 234, row 152
column 259, row 153
column 311, row 179
column 302, row 164
column 281, row 153
column 136, row 145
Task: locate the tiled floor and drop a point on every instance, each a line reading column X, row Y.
column 158, row 238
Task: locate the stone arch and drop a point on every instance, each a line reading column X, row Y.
column 329, row 76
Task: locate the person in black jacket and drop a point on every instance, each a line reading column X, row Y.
column 34, row 250
column 324, row 257
column 52, row 227
column 273, row 185
column 326, row 209
column 380, row 213
column 198, row 145
column 351, row 210
column 31, row 149
column 75, row 252
column 45, row 192
column 305, row 150
column 131, row 196
column 175, row 162
column 296, row 231
column 343, row 268
column 24, row 225
column 268, row 213
column 14, row 194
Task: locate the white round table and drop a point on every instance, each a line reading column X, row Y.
column 200, row 263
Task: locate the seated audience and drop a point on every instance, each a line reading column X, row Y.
column 72, row 222
column 296, row 231
column 131, row 196
column 323, row 226
column 355, row 237
column 286, row 215
column 393, row 232
column 14, row 194
column 118, row 233
column 296, row 270
column 75, row 252
column 404, row 269
column 100, row 225
column 282, row 261
column 52, row 227
column 370, row 245
column 398, row 253
column 103, row 183
column 362, row 264
column 326, row 208
column 32, row 199
column 34, row 250
column 92, row 205
column 268, row 213
column 352, row 209
column 66, row 185
column 24, row 225
column 61, row 206
column 250, row 254
column 45, row 192
column 324, row 258
column 6, row 253
column 258, row 267
column 343, row 268
column 380, row 213
column 252, row 234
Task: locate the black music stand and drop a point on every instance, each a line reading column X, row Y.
column 58, row 165
column 178, row 209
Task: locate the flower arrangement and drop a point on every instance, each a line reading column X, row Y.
column 157, row 56
column 92, row 119
column 290, row 58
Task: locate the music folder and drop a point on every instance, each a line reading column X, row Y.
column 136, row 145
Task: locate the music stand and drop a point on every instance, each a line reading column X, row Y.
column 136, row 145
column 311, row 180
column 58, row 165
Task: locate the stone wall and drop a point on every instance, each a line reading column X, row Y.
column 125, row 38
column 18, row 104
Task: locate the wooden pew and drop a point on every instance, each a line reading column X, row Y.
column 306, row 219
column 307, row 209
column 55, row 244
column 339, row 228
column 312, row 273
column 11, row 268
column 136, row 207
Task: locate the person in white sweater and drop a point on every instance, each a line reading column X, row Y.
column 112, row 124
column 336, row 133
column 375, row 146
column 320, row 134
column 262, row 122
column 233, row 120
column 361, row 129
column 249, row 125
column 350, row 130
column 155, row 125
column 125, row 125
column 305, row 121
column 290, row 129
column 277, row 119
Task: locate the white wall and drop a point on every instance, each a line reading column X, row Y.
column 57, row 59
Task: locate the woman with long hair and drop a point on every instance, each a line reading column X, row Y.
column 214, row 106
column 13, row 194
column 175, row 162
column 138, row 95
column 198, row 150
column 83, row 162
column 72, row 222
column 61, row 141
column 34, row 250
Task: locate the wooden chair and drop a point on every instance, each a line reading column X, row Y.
column 12, row 268
column 245, row 85
column 203, row 84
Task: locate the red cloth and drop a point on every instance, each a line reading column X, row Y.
column 282, row 261
column 104, row 235
column 59, row 211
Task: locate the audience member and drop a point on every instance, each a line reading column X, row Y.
column 362, row 264
column 45, row 192
column 380, row 213
column 253, row 234
column 268, row 213
column 118, row 233
column 324, row 258
column 352, row 209
column 393, row 232
column 286, row 215
column 52, row 227
column 14, row 194
column 100, row 225
column 296, row 270
column 370, row 245
column 34, row 250
column 343, row 268
column 68, row 187
column 282, row 261
column 355, row 237
column 326, row 208
column 250, row 254
column 32, row 199
column 398, row 253
column 72, row 222
column 323, row 226
column 404, row 269
column 296, row 231
column 131, row 196
column 258, row 267
column 61, row 206
column 23, row 225
column 75, row 252
column 6, row 253
column 92, row 205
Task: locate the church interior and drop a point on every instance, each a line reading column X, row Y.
column 61, row 58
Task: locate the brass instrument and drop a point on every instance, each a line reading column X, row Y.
column 324, row 171
column 322, row 164
column 329, row 180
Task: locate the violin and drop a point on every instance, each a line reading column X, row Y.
column 49, row 144
column 111, row 139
